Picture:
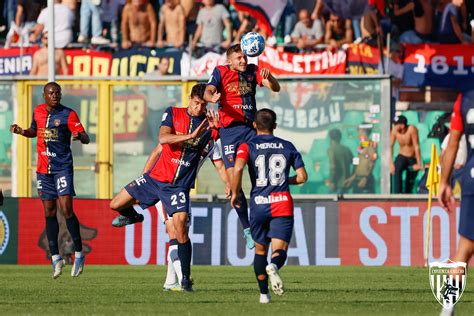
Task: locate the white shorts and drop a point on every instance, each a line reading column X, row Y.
column 164, row 216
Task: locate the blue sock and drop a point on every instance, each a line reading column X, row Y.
column 259, row 264
column 242, row 211
column 52, row 231
column 185, row 252
column 73, row 226
column 280, row 259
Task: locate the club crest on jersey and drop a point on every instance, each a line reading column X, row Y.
column 57, row 122
column 4, row 232
column 230, row 158
column 448, row 281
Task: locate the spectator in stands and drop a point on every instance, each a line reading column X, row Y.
column 307, row 33
column 409, row 157
column 211, row 20
column 370, row 27
column 138, row 24
column 340, row 161
column 90, row 10
column 403, row 15
column 450, row 29
column 288, row 19
column 9, row 11
column 27, row 12
column 40, row 60
column 71, row 4
column 190, row 12
column 247, row 24
column 63, row 22
column 173, row 23
column 362, row 180
column 423, row 15
column 110, row 19
column 338, row 32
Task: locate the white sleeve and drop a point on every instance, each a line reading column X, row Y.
column 42, row 17
column 444, row 145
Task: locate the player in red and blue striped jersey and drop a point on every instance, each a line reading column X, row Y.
column 185, row 134
column 233, row 86
column 269, row 160
column 54, row 124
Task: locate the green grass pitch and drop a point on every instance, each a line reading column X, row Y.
column 137, row 290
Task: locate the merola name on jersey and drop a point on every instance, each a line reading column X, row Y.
column 269, row 161
column 178, row 164
column 54, row 130
column 237, row 89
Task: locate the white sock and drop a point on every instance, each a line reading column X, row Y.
column 78, row 254
column 173, row 255
column 170, row 273
column 55, row 257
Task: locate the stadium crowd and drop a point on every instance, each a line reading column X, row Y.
column 212, row 25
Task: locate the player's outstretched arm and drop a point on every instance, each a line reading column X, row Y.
column 236, row 184
column 82, row 137
column 445, row 196
column 300, row 177
column 15, row 129
column 168, row 137
column 269, row 81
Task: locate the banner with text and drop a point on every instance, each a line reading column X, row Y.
column 362, row 59
column 446, row 66
column 369, row 233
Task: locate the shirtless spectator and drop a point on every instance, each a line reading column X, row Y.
column 450, row 30
column 40, row 60
column 409, row 158
column 211, row 20
column 338, row 32
column 173, row 23
column 138, row 24
column 63, row 23
column 370, row 26
column 423, row 15
column 307, row 33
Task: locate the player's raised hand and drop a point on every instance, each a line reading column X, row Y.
column 213, row 119
column 215, row 97
column 15, row 129
column 446, row 197
column 200, row 129
column 264, row 72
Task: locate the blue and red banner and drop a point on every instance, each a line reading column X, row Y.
column 446, row 66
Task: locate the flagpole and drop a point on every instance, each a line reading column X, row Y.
column 428, row 228
column 431, row 182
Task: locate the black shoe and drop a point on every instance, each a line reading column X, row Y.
column 121, row 220
column 186, row 284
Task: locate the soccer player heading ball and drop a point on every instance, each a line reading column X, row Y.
column 53, row 124
column 233, row 86
column 269, row 159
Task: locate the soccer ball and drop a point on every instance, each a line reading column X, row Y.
column 252, row 44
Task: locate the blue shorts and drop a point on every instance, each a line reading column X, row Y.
column 231, row 138
column 50, row 186
column 466, row 217
column 264, row 228
column 149, row 191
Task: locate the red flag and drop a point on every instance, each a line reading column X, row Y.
column 267, row 12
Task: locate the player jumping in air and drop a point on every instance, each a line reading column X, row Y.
column 185, row 133
column 269, row 159
column 233, row 86
column 53, row 124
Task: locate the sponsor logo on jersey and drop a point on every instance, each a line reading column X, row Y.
column 77, row 124
column 4, row 232
column 48, row 153
column 48, row 134
column 243, row 106
column 270, row 146
column 270, row 199
column 181, row 162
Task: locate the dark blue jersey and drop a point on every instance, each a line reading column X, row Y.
column 269, row 160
